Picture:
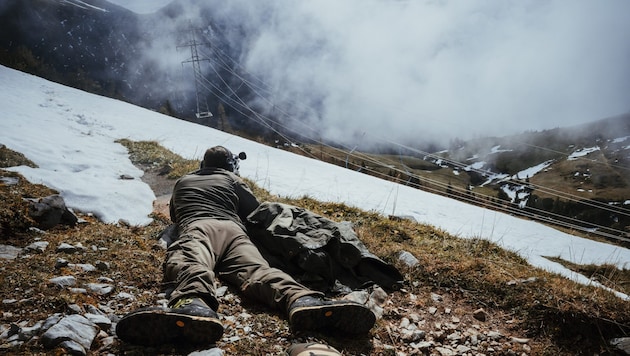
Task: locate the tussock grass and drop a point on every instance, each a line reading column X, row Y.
column 14, row 215
column 150, row 154
column 10, row 158
column 606, row 274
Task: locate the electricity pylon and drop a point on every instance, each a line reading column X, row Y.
column 202, row 104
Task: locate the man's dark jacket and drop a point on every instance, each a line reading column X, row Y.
column 211, row 193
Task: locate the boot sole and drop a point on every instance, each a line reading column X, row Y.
column 158, row 326
column 345, row 318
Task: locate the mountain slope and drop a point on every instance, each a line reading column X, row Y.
column 72, row 138
column 579, row 173
column 461, row 296
column 106, row 49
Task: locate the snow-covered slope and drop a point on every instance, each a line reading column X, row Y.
column 71, row 136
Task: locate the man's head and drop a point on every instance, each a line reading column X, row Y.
column 221, row 157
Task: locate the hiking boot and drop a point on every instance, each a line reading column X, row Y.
column 188, row 320
column 331, row 316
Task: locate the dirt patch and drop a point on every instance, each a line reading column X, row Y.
column 162, row 187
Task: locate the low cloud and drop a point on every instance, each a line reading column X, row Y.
column 434, row 70
column 425, row 69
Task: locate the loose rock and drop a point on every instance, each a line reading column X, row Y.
column 9, row 252
column 64, row 281
column 74, row 332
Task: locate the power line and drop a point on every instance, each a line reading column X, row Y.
column 239, row 105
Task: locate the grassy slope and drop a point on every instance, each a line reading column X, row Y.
column 560, row 316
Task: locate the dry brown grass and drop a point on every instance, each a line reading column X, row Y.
column 606, row 274
column 598, row 180
column 150, row 154
column 561, row 317
column 10, row 158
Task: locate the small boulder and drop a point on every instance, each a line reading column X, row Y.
column 408, row 259
column 64, row 281
column 74, row 332
column 9, row 252
column 621, row 344
column 50, row 211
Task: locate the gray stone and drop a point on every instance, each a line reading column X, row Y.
column 100, row 288
column 462, row 349
column 10, row 331
column 215, row 351
column 39, row 246
column 10, row 180
column 480, row 314
column 454, row 336
column 106, row 344
column 9, row 252
column 413, row 335
column 75, row 309
column 61, row 263
column 64, row 281
column 520, row 340
column 102, row 266
column 93, row 310
column 103, row 279
column 622, row 344
column 26, row 333
column 125, row 296
column 66, row 247
column 85, row 267
column 50, row 211
column 422, row 345
column 443, row 351
column 359, row 296
column 494, row 335
column 51, row 320
column 75, row 333
column 102, row 321
column 73, row 347
column 220, row 292
column 408, row 259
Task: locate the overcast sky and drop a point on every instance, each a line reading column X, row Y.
column 438, row 69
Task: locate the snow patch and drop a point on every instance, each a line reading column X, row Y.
column 582, row 152
column 530, row 172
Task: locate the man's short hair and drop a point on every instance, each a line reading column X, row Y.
column 219, row 157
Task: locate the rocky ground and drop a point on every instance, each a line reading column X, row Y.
column 65, row 289
column 432, row 323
